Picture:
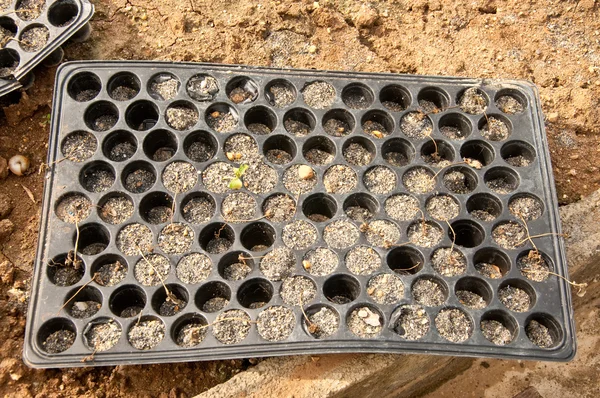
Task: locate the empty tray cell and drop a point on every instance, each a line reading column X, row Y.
column 209, row 212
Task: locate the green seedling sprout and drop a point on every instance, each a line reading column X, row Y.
column 236, row 183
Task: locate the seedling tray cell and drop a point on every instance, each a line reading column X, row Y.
column 371, row 213
column 32, row 31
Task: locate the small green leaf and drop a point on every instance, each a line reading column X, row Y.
column 239, row 172
column 236, row 183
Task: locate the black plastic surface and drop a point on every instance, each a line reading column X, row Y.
column 63, row 19
column 552, row 301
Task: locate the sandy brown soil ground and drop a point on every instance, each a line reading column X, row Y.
column 555, row 44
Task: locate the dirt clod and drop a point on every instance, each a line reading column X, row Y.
column 231, row 326
column 299, row 235
column 448, row 263
column 365, row 322
column 496, row 332
column 278, row 264
column 412, row 323
column 340, row 234
column 340, row 179
column 428, row 292
column 319, row 95
column 454, row 325
column 385, row 288
column 362, row 260
column 146, row 334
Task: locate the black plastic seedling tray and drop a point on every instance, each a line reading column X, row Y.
column 103, row 148
column 32, row 31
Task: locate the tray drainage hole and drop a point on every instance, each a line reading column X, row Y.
column 9, row 62
column 357, row 96
column 527, row 206
column 429, row 291
column 216, row 238
column 97, row 176
column 258, row 236
column 181, row 115
column 260, row 120
column 119, row 146
column 377, row 124
column 492, row 263
column 141, row 115
column 484, row 207
column 460, row 180
column 163, row 86
column 323, row 321
column 473, row 293
column 83, row 303
column 101, row 116
column 189, row 330
column 279, row 149
column 115, row 208
column 454, row 325
column 93, row 239
column 127, row 301
column 411, row 322
column 146, row 333
column 433, row 100
column 199, row 146
column 235, row 266
column 440, row 154
column 109, row 270
column 172, row 303
column 338, row 122
column 365, row 321
column 255, row 293
column 63, row 13
column 28, row 10
column 498, row 327
column 543, row 330
column 395, row 98
column 241, row 90
column 138, row 177
column 517, row 295
column 160, row 145
column 73, row 207
column 65, row 269
column 510, row 101
column 124, row 86
column 299, row 122
column 455, row 126
column 480, row 151
column 198, row 207
column 34, row 38
column 319, row 150
column 360, row 207
column 518, row 153
column 495, row 127
column 222, row 118
column 202, row 87
column 398, row 152
column 501, row 180
column 319, row 207
column 535, row 265
column 56, row 335
column 341, row 289
column 156, row 208
column 280, row 93
column 466, row 233
column 472, row 100
column 405, row 260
